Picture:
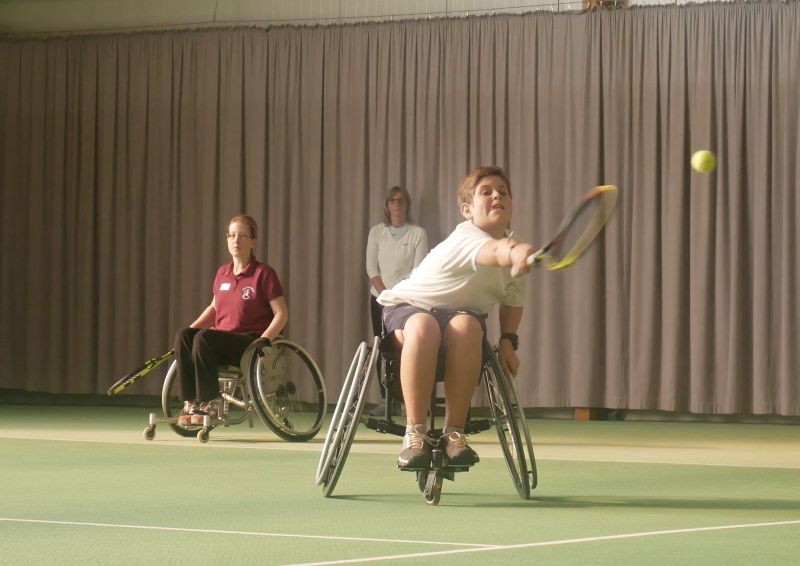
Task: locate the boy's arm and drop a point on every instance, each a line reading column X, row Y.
column 510, row 318
column 505, row 252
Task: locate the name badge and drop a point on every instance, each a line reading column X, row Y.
column 225, row 287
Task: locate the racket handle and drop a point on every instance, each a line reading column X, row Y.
column 530, row 260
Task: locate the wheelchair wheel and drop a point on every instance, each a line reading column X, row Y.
column 287, row 390
column 432, row 491
column 346, row 417
column 172, row 406
column 512, row 428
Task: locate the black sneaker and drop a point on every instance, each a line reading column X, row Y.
column 457, row 450
column 416, row 453
column 210, row 408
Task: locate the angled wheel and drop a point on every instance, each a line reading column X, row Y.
column 512, row 428
column 433, row 488
column 287, row 390
column 172, row 406
column 346, row 417
column 422, row 480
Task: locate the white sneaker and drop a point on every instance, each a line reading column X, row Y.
column 416, row 452
column 457, row 450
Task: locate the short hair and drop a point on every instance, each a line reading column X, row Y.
column 387, row 218
column 467, row 188
column 249, row 221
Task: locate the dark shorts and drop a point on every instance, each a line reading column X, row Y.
column 395, row 317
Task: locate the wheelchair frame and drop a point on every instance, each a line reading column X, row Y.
column 264, row 389
column 507, row 416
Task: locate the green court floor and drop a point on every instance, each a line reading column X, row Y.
column 80, row 485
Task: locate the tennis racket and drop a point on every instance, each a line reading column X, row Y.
column 578, row 230
column 138, row 373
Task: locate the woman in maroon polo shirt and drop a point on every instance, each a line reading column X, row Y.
column 248, row 305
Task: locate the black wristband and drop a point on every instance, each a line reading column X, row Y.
column 511, row 337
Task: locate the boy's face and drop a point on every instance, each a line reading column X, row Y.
column 491, row 208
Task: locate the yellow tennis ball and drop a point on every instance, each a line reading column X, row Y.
column 703, row 161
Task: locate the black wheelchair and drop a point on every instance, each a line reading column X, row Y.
column 506, row 415
column 281, row 383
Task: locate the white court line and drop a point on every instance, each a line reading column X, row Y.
column 244, row 533
column 673, row 463
column 548, row 543
column 227, row 443
column 235, row 444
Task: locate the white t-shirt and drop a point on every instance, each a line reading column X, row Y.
column 392, row 257
column 450, row 278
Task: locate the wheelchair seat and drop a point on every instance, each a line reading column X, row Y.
column 507, row 417
column 281, row 383
column 388, row 350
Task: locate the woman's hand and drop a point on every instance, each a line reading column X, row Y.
column 260, row 343
column 377, row 283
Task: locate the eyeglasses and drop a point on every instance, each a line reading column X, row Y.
column 238, row 236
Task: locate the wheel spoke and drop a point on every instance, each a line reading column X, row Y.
column 287, row 390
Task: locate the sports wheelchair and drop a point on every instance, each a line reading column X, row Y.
column 281, row 383
column 506, row 415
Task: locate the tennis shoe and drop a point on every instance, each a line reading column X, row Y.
column 457, row 450
column 185, row 418
column 416, row 452
column 210, row 408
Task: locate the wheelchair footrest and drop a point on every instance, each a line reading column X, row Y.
column 382, row 425
column 439, row 464
column 478, row 425
column 156, row 419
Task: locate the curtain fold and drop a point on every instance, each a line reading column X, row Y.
column 122, row 158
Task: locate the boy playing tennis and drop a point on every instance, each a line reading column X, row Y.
column 443, row 305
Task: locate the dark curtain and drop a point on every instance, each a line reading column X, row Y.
column 122, row 158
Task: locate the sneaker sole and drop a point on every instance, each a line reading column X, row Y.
column 418, row 464
column 467, row 457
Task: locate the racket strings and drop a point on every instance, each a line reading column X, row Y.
column 580, row 230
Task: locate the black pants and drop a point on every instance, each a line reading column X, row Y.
column 199, row 354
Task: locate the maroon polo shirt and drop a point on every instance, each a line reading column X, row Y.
column 242, row 301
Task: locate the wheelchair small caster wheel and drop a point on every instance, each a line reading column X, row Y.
column 422, row 479
column 433, row 488
column 202, row 435
column 150, row 432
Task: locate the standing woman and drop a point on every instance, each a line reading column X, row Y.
column 394, row 248
column 248, row 304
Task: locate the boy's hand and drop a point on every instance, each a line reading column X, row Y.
column 519, row 259
column 508, row 358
